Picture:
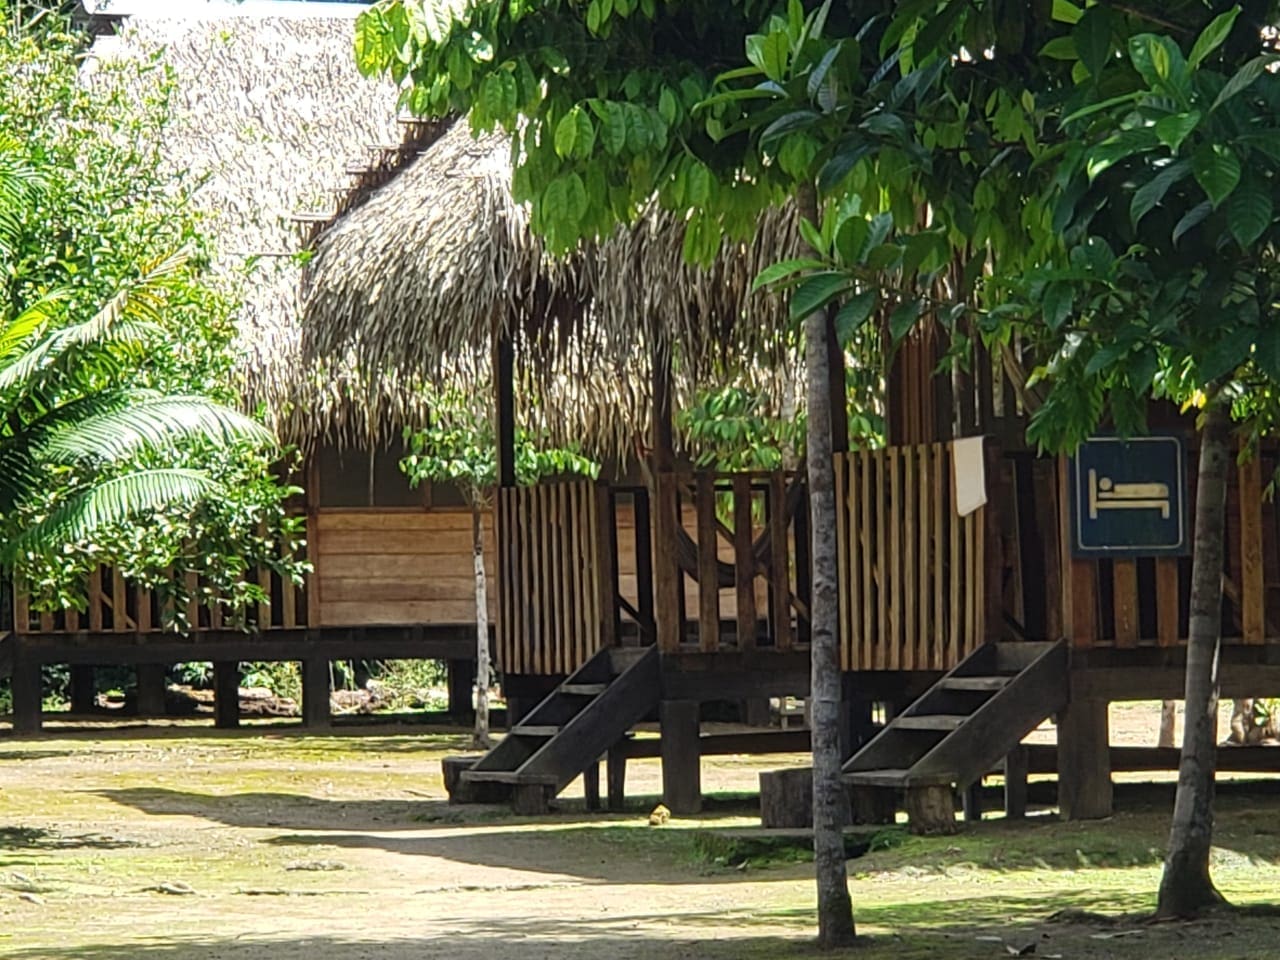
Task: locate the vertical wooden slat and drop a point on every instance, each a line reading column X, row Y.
column 522, row 629
column 956, row 611
column 1045, row 492
column 119, row 604
column 910, row 564
column 72, row 619
column 852, row 507
column 533, row 562
column 1253, row 596
column 1125, row 597
column 46, row 621
column 896, row 565
column 528, row 635
column 1167, row 601
column 562, row 640
column 21, row 607
column 940, row 516
column 315, row 608
column 288, row 601
column 744, row 562
column 142, row 597
column 546, row 661
column 981, row 580
column 884, row 576
column 923, row 597
column 264, row 584
column 779, row 565
column 972, row 584
column 1084, row 603
column 193, row 601
column 843, row 566
column 575, row 570
column 511, row 628
column 667, row 577
column 604, row 539
column 95, row 599
column 866, row 655
column 708, row 568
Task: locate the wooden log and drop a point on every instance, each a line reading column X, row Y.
column 708, row 564
column 931, row 809
column 681, row 760
column 1084, row 761
column 150, row 679
column 315, row 693
column 1015, row 783
column 226, row 694
column 786, row 798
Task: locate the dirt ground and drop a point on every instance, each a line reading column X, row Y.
column 183, row 843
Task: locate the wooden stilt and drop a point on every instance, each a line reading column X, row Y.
column 591, row 785
column 151, row 687
column 27, row 690
column 616, row 776
column 971, row 801
column 1084, row 761
column 315, row 692
column 462, row 679
column 681, row 762
column 226, row 694
column 83, row 692
column 1015, row 783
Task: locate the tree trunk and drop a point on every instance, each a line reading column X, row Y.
column 835, row 911
column 1168, row 717
column 481, row 738
column 1185, row 887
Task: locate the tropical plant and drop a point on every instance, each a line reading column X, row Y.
column 460, row 447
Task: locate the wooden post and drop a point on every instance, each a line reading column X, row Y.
column 681, row 762
column 1015, row 783
column 315, row 692
column 591, row 785
column 708, row 563
column 151, row 689
column 666, row 511
column 83, row 692
column 971, row 801
column 27, row 690
column 1084, row 761
column 461, row 680
column 744, row 562
column 616, row 775
column 226, row 694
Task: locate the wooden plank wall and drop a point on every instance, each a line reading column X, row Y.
column 398, row 566
column 912, row 573
column 1127, row 603
column 557, row 551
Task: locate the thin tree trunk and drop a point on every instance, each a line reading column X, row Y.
column 1186, row 888
column 1168, row 717
column 481, row 737
column 835, row 910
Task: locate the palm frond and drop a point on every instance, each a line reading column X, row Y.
column 108, row 503
column 19, row 184
column 149, row 423
column 61, row 345
column 18, row 331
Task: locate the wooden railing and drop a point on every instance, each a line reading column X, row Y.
column 556, row 578
column 115, row 604
column 739, row 561
column 913, row 574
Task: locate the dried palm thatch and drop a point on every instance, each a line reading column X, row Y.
column 269, row 115
column 412, row 286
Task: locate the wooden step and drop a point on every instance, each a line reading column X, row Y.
column 935, row 721
column 889, row 778
column 979, row 684
column 584, row 689
column 535, row 730
column 505, row 776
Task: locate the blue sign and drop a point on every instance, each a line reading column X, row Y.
column 1129, row 498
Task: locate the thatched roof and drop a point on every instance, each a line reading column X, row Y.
column 412, row 285
column 271, row 113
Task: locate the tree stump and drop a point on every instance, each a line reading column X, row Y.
column 786, row 798
column 873, row 805
column 462, row 792
column 532, row 799
column 931, row 809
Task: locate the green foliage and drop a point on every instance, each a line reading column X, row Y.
column 730, row 432
column 114, row 358
column 460, row 446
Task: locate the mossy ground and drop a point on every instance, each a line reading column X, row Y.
column 298, row 848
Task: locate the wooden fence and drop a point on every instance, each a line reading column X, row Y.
column 556, row 577
column 913, row 574
column 115, row 604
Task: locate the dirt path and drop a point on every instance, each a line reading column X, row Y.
column 263, row 846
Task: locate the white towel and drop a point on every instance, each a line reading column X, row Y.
column 968, row 475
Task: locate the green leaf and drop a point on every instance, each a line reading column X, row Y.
column 1065, row 11
column 1216, row 169
column 818, row 76
column 774, row 50
column 1100, row 106
column 613, row 129
column 1191, row 218
column 784, row 270
column 1159, row 62
column 816, row 292
column 788, row 122
column 1230, row 352
column 1249, row 210
column 1092, row 36
column 937, row 26
column 903, row 318
column 1060, row 48
column 498, row 95
column 566, row 137
column 849, row 151
column 667, row 105
column 1118, row 147
column 1267, row 350
column 813, row 237
column 1172, row 130
column 1152, row 192
column 851, row 240
column 1059, row 298
column 1244, row 78
column 855, row 312
column 1212, row 36
column 370, row 58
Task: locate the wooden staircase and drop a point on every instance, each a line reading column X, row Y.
column 568, row 731
column 967, row 723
